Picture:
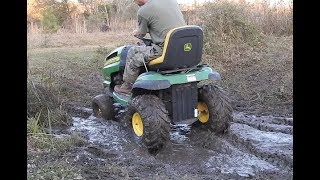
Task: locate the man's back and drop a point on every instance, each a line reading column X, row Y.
column 161, row 15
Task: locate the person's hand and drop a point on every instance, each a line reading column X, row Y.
column 137, row 34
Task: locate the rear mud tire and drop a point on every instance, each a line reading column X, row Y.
column 156, row 123
column 102, row 107
column 219, row 106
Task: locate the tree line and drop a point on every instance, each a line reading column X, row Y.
column 49, row 16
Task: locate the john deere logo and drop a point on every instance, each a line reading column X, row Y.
column 187, row 47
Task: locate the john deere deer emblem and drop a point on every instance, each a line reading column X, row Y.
column 187, row 47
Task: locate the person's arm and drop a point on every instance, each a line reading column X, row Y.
column 142, row 29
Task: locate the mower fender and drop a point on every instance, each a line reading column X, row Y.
column 152, row 84
column 155, row 81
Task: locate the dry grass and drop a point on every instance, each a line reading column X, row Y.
column 264, row 77
column 65, row 39
column 48, row 158
column 44, row 109
column 71, row 72
column 258, row 79
column 251, row 46
column 44, row 143
column 276, row 19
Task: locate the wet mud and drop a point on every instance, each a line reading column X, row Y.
column 254, row 148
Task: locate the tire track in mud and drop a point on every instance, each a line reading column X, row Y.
column 265, row 123
column 245, row 152
column 256, row 136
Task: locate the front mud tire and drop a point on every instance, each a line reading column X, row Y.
column 102, row 107
column 155, row 120
column 219, row 107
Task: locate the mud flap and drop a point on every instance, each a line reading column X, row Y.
column 184, row 102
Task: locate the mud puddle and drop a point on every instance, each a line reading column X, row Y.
column 247, row 151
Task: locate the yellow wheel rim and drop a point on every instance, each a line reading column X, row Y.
column 137, row 124
column 203, row 112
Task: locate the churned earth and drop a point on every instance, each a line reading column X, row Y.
column 256, row 147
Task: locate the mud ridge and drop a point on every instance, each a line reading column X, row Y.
column 265, row 123
column 266, row 126
column 269, row 153
column 241, row 116
column 193, row 152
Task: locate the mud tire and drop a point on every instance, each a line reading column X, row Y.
column 220, row 109
column 102, row 107
column 156, row 123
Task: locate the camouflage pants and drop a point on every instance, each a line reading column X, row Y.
column 136, row 57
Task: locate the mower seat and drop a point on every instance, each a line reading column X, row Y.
column 182, row 49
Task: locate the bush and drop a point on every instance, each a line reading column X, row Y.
column 50, row 22
column 226, row 23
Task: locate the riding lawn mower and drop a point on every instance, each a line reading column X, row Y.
column 172, row 89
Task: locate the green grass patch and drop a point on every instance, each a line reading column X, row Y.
column 74, row 74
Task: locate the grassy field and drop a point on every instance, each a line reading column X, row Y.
column 255, row 77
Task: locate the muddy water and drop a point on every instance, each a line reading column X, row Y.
column 259, row 147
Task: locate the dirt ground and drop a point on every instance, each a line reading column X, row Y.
column 258, row 145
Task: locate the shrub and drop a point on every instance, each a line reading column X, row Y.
column 43, row 108
column 50, row 22
column 226, row 23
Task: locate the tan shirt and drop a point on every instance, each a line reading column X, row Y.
column 158, row 17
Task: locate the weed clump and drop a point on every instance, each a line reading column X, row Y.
column 226, row 24
column 44, row 109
